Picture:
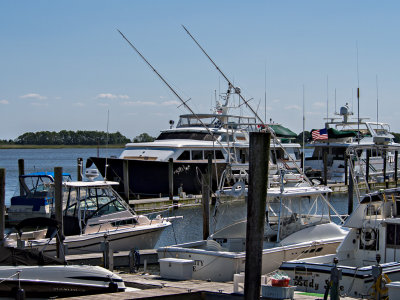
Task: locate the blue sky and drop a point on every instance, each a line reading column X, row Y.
column 63, row 64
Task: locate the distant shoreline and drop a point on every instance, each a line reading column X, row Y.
column 58, row 146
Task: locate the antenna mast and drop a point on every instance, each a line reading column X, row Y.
column 177, row 95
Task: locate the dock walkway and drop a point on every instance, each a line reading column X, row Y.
column 155, row 287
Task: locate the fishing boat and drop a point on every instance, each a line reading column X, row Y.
column 93, row 213
column 297, row 225
column 34, row 196
column 368, row 256
column 42, row 276
column 223, row 136
column 339, row 134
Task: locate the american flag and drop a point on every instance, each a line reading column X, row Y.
column 321, row 134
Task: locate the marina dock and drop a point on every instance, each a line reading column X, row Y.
column 154, row 287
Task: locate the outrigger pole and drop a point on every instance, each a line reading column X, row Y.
column 237, row 91
column 176, row 94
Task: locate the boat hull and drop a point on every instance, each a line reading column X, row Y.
column 140, row 237
column 51, row 281
column 222, row 265
column 355, row 282
column 150, row 178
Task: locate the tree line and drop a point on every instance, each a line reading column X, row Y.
column 80, row 137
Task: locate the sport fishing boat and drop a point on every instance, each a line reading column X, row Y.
column 343, row 132
column 93, row 212
column 297, row 225
column 34, row 196
column 372, row 244
column 43, row 276
column 223, row 136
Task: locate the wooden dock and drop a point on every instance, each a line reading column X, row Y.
column 145, row 286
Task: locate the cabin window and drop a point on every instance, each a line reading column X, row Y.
column 393, row 235
column 185, row 155
column 226, row 137
column 197, row 154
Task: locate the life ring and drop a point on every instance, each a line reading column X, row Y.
column 368, row 236
column 238, row 189
column 377, row 285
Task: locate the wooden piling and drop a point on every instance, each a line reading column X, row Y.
column 58, row 210
column 346, row 169
column 125, row 166
column 205, row 188
column 325, row 160
column 396, row 156
column 21, row 171
column 384, row 169
column 350, row 195
column 367, row 167
column 79, row 169
column 2, row 203
column 257, row 195
column 171, row 178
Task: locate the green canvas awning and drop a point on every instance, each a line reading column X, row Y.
column 284, row 132
column 336, row 134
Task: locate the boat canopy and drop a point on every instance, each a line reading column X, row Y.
column 26, row 257
column 336, row 134
column 282, row 132
column 38, row 174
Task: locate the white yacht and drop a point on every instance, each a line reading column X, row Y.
column 297, row 225
column 373, row 242
column 196, row 136
column 343, row 132
column 93, row 212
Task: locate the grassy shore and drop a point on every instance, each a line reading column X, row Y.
column 57, row 146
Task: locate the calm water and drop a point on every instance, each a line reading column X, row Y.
column 183, row 230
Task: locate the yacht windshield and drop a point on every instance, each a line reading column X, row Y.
column 189, row 135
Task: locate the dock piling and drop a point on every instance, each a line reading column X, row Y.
column 171, row 178
column 21, row 171
column 257, row 193
column 58, row 211
column 2, row 203
column 367, row 167
column 79, row 169
column 396, row 156
column 125, row 170
column 205, row 188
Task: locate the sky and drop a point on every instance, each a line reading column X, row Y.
column 63, row 64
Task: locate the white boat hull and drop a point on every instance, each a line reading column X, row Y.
column 51, row 281
column 221, row 265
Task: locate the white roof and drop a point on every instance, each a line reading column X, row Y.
column 90, row 183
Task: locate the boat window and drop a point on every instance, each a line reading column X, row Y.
column 109, row 208
column 226, row 137
column 197, row 154
column 185, row 155
column 393, row 235
column 185, row 135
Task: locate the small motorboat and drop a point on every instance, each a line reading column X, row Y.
column 34, row 196
column 39, row 275
column 93, row 213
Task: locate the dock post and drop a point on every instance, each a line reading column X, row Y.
column 171, row 178
column 350, row 195
column 205, row 188
column 79, row 169
column 396, row 156
column 108, row 254
column 367, row 167
column 346, row 171
column 384, row 169
column 2, row 203
column 58, row 211
column 21, row 171
column 325, row 160
column 125, row 166
column 257, row 195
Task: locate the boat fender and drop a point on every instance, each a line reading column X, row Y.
column 368, row 236
column 377, row 286
column 113, row 286
column 238, row 189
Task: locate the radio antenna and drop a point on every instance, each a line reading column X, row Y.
column 184, row 103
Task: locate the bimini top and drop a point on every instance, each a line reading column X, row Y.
column 38, row 174
column 90, row 183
